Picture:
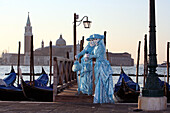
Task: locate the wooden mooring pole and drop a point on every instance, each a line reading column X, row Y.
column 19, row 48
column 168, row 62
column 80, row 50
column 137, row 66
column 105, row 45
column 32, row 62
column 82, row 43
column 93, row 61
column 74, row 35
column 107, row 54
column 68, row 55
column 81, row 47
column 55, row 78
column 145, row 60
column 50, row 60
column 33, row 59
column 105, row 38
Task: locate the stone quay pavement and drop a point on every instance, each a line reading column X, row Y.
column 60, row 107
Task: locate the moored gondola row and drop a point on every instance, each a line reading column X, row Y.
column 38, row 89
column 125, row 90
column 10, row 92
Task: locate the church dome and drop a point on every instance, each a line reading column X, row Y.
column 61, row 41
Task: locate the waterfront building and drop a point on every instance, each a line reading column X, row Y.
column 118, row 59
column 60, row 49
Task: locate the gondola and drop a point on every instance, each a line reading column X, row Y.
column 10, row 79
column 37, row 92
column 12, row 93
column 8, row 91
column 42, row 80
column 126, row 90
column 166, row 89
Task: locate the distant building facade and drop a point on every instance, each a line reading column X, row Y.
column 60, row 49
column 41, row 55
column 118, row 59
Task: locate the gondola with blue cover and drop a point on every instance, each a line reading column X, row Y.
column 10, row 79
column 126, row 90
column 9, row 92
column 37, row 92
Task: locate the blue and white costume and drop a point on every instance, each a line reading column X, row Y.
column 86, row 71
column 103, row 73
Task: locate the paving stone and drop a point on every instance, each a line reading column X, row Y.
column 42, row 107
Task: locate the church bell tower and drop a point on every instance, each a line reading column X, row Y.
column 27, row 36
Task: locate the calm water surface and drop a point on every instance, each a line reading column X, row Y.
column 116, row 70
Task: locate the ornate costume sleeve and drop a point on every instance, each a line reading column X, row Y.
column 82, row 52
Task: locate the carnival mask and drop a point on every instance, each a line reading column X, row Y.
column 92, row 43
column 96, row 41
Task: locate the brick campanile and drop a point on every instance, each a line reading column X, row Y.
column 27, row 36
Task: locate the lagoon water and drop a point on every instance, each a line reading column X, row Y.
column 116, row 70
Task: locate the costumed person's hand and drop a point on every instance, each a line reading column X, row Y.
column 86, row 57
column 76, row 57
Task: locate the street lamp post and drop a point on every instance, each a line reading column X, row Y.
column 86, row 23
column 152, row 87
column 152, row 98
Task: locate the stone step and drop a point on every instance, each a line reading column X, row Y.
column 74, row 99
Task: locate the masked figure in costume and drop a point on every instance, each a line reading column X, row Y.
column 103, row 72
column 85, row 84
